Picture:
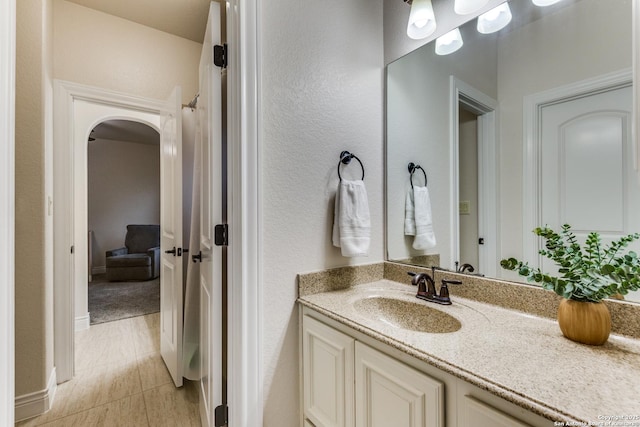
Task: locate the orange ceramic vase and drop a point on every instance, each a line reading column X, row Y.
column 584, row 322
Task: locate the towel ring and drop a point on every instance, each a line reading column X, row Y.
column 345, row 158
column 412, row 168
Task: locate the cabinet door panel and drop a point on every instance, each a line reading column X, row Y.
column 328, row 375
column 478, row 414
column 390, row 393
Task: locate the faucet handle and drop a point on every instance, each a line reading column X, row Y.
column 444, row 291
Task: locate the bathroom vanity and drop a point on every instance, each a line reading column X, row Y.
column 373, row 354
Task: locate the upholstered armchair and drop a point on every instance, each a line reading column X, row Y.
column 139, row 259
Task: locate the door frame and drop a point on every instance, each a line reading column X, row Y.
column 245, row 213
column 64, row 189
column 532, row 153
column 7, row 209
column 488, row 214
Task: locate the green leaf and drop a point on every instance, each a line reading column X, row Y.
column 607, row 269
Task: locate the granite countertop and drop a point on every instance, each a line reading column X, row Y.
column 517, row 356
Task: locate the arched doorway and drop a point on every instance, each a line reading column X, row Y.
column 123, row 192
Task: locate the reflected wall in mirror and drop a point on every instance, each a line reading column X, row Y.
column 526, row 127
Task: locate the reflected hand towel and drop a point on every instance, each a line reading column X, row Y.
column 425, row 237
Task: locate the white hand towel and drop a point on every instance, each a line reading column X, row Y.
column 425, row 237
column 409, row 214
column 336, row 215
column 351, row 222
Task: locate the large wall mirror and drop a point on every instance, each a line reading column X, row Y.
column 526, row 127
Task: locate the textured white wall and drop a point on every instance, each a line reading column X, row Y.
column 322, row 91
column 98, row 49
column 526, row 65
column 123, row 188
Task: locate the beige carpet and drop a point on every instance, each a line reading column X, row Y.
column 109, row 301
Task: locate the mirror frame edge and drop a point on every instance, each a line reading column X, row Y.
column 635, row 6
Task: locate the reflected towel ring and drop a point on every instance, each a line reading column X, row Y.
column 412, row 168
column 345, row 158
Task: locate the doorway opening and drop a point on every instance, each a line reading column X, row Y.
column 468, row 184
column 472, row 108
column 123, row 194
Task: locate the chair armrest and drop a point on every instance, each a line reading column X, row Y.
column 154, row 253
column 117, row 252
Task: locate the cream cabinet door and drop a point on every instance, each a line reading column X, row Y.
column 390, row 393
column 474, row 413
column 327, row 375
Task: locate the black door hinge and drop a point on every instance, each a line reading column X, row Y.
column 220, row 55
column 221, row 235
column 481, row 241
column 221, row 415
column 71, row 249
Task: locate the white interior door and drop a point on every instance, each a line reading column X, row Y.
column 171, row 235
column 209, row 107
column 588, row 177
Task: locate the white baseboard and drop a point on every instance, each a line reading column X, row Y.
column 82, row 322
column 99, row 270
column 37, row 403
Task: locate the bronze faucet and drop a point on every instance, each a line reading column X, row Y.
column 427, row 288
column 466, row 267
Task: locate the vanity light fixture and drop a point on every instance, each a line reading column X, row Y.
column 465, row 7
column 422, row 20
column 449, row 42
column 495, row 19
column 543, row 3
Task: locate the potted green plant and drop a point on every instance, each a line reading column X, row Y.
column 586, row 275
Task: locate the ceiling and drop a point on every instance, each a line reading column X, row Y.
column 126, row 130
column 183, row 18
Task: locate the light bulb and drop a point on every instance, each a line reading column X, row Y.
column 422, row 20
column 495, row 19
column 465, row 7
column 421, row 23
column 449, row 42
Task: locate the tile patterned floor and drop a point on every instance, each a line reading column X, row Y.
column 121, row 380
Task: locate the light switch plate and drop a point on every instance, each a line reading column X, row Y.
column 464, row 207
